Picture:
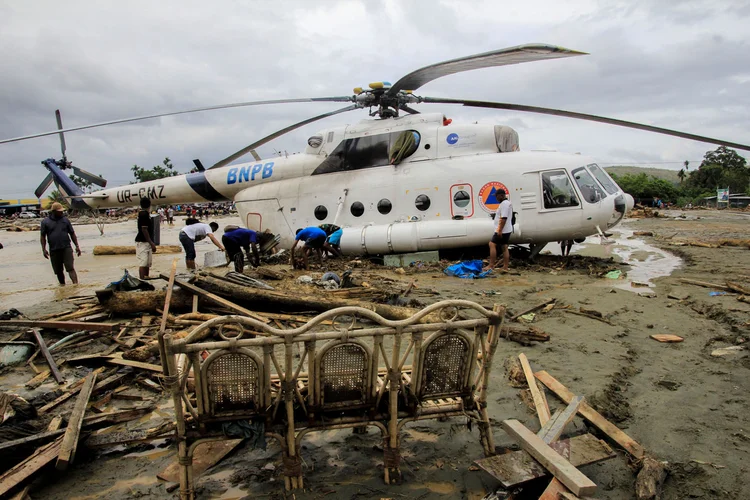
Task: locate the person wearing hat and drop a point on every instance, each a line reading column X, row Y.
column 58, row 231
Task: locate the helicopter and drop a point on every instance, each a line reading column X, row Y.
column 401, row 180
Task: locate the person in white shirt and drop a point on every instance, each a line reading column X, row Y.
column 503, row 230
column 196, row 232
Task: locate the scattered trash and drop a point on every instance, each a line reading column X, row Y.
column 528, row 317
column 10, row 314
column 614, row 275
column 306, row 280
column 15, row 353
column 332, row 277
column 470, row 269
column 638, row 284
column 129, row 283
column 714, row 294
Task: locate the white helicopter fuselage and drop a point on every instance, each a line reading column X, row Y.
column 441, row 195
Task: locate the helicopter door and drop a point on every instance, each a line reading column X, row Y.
column 559, row 206
column 462, row 205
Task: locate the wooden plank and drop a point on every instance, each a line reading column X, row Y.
column 666, row 337
column 47, row 356
column 562, row 469
column 705, row 284
column 593, row 416
column 218, row 300
column 70, row 440
column 517, row 467
column 37, row 380
column 116, row 417
column 72, row 390
column 542, row 410
column 127, row 437
column 135, row 364
column 552, row 430
column 23, row 494
column 30, row 466
column 206, row 455
column 62, row 325
column 195, row 303
column 138, row 333
column 554, row 491
column 39, row 436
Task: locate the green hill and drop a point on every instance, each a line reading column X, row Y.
column 659, row 173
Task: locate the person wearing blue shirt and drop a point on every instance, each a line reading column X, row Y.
column 334, row 240
column 315, row 239
column 236, row 239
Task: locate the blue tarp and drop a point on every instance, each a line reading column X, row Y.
column 470, row 269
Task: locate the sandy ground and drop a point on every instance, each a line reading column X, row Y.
column 683, row 405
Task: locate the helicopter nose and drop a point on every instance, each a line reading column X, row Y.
column 629, row 202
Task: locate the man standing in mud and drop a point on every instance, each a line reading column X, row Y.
column 144, row 245
column 58, row 230
column 503, row 230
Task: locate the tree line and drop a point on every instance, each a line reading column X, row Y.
column 721, row 168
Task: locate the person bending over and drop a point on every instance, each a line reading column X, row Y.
column 196, row 232
column 236, row 239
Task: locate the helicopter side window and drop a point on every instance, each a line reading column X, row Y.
column 369, row 151
column 557, row 190
column 590, row 190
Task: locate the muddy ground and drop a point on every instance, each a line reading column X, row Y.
column 682, row 404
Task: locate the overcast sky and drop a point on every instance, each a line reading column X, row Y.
column 676, row 64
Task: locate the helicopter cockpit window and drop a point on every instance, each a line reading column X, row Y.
column 315, row 141
column 607, row 183
column 557, row 190
column 590, row 190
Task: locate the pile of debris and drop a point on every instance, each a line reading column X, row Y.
column 543, row 454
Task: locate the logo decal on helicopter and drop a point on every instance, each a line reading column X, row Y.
column 248, row 172
column 488, row 196
column 452, row 138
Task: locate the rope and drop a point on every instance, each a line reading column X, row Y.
column 391, row 457
column 292, row 466
column 185, row 460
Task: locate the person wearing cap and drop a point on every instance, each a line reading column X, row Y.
column 57, row 230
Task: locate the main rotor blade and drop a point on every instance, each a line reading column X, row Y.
column 43, row 186
column 257, row 144
column 94, row 179
column 503, row 57
column 409, row 110
column 195, row 110
column 584, row 116
column 62, row 136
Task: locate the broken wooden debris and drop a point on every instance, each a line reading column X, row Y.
column 517, row 467
column 593, row 416
column 62, row 325
column 37, row 380
column 135, row 364
column 650, row 479
column 526, row 334
column 532, row 309
column 128, row 437
column 130, row 249
column 540, row 402
column 561, row 468
column 25, row 469
column 591, row 316
column 206, row 456
column 72, row 431
column 215, row 298
column 552, row 430
column 140, row 302
column 47, row 356
column 736, row 287
column 666, row 337
column 705, row 284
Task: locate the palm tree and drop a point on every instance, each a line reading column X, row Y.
column 57, row 197
column 681, row 174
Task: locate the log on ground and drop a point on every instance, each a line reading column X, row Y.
column 136, row 302
column 130, row 249
column 265, row 299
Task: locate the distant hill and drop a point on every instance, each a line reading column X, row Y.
column 659, row 173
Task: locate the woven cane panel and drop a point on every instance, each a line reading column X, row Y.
column 343, row 374
column 444, row 368
column 232, row 381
